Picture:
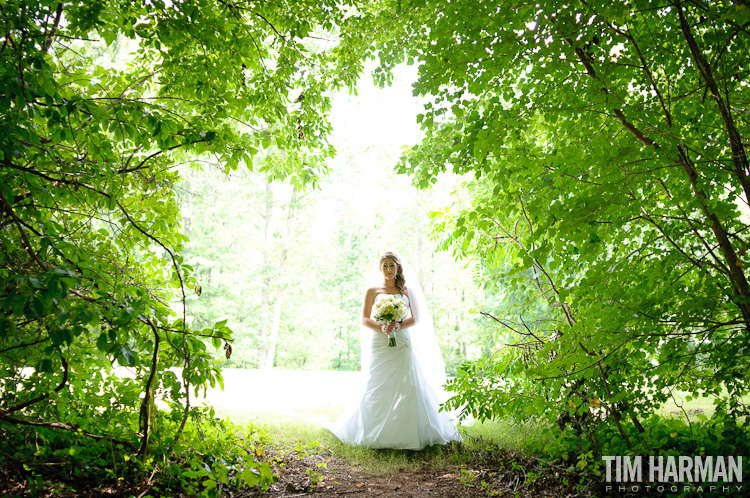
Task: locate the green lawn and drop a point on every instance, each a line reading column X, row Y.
column 294, row 421
column 302, row 431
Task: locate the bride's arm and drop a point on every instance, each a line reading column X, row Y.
column 367, row 311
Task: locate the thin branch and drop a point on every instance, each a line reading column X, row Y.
column 272, row 26
column 60, row 425
column 63, row 180
column 141, row 165
column 25, row 345
column 24, row 240
column 493, row 317
column 41, row 397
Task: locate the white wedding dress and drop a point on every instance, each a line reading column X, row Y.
column 398, row 409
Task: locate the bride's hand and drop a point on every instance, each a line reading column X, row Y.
column 386, row 328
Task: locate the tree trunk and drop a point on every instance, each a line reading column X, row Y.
column 280, row 286
column 265, row 297
column 739, row 157
column 734, row 269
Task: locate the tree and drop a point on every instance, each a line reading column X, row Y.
column 268, row 349
column 91, row 275
column 608, row 144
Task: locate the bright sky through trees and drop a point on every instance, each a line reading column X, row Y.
column 371, row 129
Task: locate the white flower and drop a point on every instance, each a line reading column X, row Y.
column 389, row 309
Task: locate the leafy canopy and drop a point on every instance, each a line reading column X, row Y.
column 99, row 102
column 607, row 141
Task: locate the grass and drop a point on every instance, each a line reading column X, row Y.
column 505, row 433
column 675, row 406
column 287, row 429
column 302, row 431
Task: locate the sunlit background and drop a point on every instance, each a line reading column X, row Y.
column 288, row 269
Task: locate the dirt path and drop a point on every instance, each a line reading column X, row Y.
column 308, row 477
column 490, row 474
column 325, row 477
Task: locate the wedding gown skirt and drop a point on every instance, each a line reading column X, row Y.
column 398, row 409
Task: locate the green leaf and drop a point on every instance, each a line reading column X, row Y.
column 127, row 355
column 102, row 341
column 36, row 305
column 44, row 366
column 58, row 336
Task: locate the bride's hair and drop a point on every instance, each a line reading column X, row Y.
column 400, row 280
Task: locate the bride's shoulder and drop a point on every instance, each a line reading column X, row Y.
column 375, row 290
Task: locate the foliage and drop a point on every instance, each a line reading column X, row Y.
column 221, row 457
column 212, row 457
column 670, row 437
column 607, row 141
column 99, row 103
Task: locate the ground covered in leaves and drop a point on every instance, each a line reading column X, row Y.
column 488, row 472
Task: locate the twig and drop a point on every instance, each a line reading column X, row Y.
column 24, row 239
column 60, row 425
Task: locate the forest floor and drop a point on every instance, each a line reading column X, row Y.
column 290, row 409
column 323, row 476
column 509, row 475
column 305, row 468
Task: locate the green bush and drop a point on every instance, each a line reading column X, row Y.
column 212, row 455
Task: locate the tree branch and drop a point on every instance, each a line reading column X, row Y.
column 141, row 165
column 60, row 425
column 41, row 397
column 24, row 239
column 148, row 398
column 63, row 180
column 736, row 274
column 24, row 345
column 739, row 157
column 53, row 31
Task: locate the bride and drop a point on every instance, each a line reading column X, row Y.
column 403, row 391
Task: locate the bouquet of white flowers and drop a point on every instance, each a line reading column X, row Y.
column 390, row 309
